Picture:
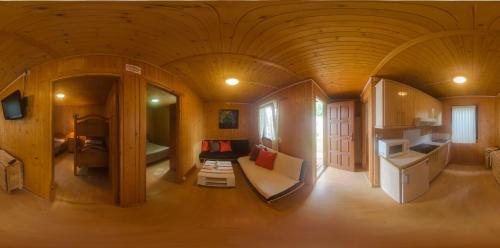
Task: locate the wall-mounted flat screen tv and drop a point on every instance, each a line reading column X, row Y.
column 13, row 106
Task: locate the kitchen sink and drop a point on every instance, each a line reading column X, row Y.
column 424, row 148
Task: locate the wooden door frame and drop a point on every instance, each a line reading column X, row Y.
column 176, row 149
column 368, row 120
column 325, row 136
column 116, row 190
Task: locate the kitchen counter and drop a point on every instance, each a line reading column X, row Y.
column 409, row 158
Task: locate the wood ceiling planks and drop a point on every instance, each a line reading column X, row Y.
column 268, row 44
column 84, row 90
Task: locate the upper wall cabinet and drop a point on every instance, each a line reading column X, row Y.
column 428, row 111
column 400, row 106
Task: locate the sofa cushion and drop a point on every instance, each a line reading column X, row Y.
column 255, row 153
column 240, row 147
column 225, row 146
column 205, row 147
column 214, row 146
column 288, row 166
column 266, row 159
column 267, row 182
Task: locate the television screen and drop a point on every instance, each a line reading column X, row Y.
column 12, row 106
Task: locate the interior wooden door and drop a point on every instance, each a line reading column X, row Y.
column 341, row 135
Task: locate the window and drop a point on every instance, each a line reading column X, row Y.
column 268, row 122
column 464, row 124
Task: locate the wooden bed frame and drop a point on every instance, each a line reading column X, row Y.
column 90, row 155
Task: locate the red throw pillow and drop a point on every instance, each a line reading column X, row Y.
column 225, row 146
column 266, row 159
column 204, row 146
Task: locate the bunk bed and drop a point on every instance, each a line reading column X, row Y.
column 92, row 152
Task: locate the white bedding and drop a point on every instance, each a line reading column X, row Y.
column 155, row 152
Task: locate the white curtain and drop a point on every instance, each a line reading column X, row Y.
column 463, row 119
column 268, row 122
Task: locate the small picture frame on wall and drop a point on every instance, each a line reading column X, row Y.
column 228, row 119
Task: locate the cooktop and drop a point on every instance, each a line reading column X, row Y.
column 424, row 148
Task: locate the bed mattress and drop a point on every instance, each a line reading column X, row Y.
column 59, row 146
column 155, row 152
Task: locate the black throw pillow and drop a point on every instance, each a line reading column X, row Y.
column 255, row 153
column 214, row 146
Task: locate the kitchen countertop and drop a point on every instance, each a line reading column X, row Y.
column 409, row 158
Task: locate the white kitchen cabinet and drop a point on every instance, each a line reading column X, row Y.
column 438, row 160
column 404, row 184
column 407, row 176
column 414, row 181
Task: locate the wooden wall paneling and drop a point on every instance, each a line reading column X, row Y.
column 486, row 128
column 498, row 118
column 367, row 132
column 63, row 116
column 29, row 140
column 212, row 130
column 309, row 123
column 112, row 113
column 295, row 123
column 159, row 124
column 132, row 157
column 174, row 137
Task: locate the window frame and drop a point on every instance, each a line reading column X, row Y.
column 476, row 123
column 274, row 108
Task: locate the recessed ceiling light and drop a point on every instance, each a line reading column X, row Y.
column 155, row 100
column 60, row 95
column 232, row 81
column 459, row 79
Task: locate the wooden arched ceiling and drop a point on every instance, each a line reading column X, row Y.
column 267, row 44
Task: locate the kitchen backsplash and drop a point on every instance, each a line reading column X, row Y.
column 416, row 137
column 445, row 136
column 419, row 135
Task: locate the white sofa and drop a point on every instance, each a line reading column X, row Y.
column 286, row 176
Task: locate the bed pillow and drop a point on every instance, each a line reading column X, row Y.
column 205, row 147
column 225, row 146
column 255, row 153
column 266, row 159
column 214, row 146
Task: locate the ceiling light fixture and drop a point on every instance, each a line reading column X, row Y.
column 402, row 93
column 459, row 79
column 60, row 95
column 232, row 81
column 155, row 100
